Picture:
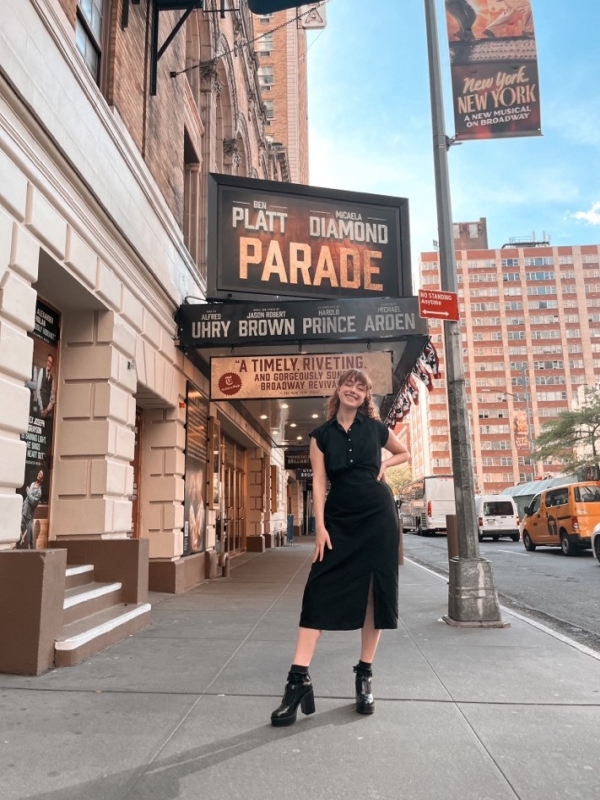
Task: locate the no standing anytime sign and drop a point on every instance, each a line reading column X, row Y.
column 437, row 304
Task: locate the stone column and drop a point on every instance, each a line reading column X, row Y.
column 163, row 467
column 19, row 258
column 255, row 518
column 93, row 476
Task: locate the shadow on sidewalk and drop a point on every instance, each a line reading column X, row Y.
column 161, row 778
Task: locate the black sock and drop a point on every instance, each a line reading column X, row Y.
column 364, row 668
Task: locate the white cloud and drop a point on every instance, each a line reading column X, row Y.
column 592, row 217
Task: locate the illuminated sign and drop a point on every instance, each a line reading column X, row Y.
column 290, row 240
column 297, row 459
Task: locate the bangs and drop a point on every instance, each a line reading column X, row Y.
column 356, row 376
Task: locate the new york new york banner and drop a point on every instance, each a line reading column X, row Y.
column 494, row 68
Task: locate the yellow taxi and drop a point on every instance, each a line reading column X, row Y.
column 563, row 516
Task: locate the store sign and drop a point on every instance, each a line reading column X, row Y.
column 313, row 16
column 294, row 375
column 291, row 240
column 272, row 6
column 297, row 459
column 237, row 324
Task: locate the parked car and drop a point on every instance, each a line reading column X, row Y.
column 563, row 516
column 497, row 516
column 596, row 541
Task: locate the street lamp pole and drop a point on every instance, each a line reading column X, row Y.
column 472, row 597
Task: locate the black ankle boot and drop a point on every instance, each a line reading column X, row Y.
column 365, row 702
column 298, row 692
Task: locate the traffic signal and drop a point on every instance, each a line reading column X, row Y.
column 271, row 6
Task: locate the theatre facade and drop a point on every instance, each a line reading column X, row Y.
column 142, row 260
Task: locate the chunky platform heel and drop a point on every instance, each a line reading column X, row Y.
column 307, row 704
column 298, row 692
column 365, row 702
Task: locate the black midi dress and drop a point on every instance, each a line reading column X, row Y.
column 362, row 521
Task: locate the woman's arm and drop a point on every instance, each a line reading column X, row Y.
column 400, row 454
column 317, row 462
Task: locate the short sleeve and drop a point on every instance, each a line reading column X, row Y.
column 317, row 435
column 384, row 432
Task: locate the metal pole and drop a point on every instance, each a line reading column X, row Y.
column 472, row 596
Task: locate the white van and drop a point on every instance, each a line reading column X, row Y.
column 497, row 516
column 425, row 503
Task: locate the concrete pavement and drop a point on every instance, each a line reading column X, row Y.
column 181, row 710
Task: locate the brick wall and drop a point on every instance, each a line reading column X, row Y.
column 154, row 122
column 69, row 7
column 289, row 91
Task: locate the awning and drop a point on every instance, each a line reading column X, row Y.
column 296, row 328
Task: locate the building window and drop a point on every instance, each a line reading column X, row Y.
column 269, row 110
column 88, row 33
column 539, row 276
column 192, row 193
column 266, row 78
column 546, row 261
column 264, row 45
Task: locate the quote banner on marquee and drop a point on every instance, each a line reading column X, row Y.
column 294, row 375
column 494, row 68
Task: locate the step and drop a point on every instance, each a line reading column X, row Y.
column 81, row 601
column 78, row 575
column 86, row 637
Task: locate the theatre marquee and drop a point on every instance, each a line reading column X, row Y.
column 207, row 325
column 294, row 241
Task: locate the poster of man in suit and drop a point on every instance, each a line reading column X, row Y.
column 43, row 387
column 194, row 507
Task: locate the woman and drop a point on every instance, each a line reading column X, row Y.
column 353, row 582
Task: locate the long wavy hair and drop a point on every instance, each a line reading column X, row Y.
column 368, row 408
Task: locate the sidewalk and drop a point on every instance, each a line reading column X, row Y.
column 182, row 709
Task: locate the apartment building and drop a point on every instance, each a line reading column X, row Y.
column 281, row 49
column 530, row 318
column 112, row 114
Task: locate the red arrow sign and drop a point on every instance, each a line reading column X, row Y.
column 438, row 304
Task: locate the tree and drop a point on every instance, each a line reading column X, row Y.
column 573, row 437
column 398, row 477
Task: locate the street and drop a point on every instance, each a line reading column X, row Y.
column 558, row 591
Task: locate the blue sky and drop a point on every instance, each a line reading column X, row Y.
column 370, row 123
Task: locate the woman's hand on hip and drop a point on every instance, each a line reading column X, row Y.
column 323, row 541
